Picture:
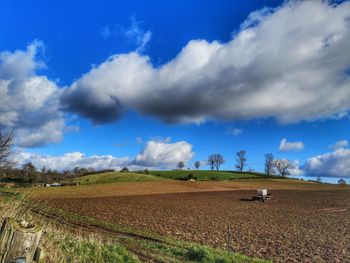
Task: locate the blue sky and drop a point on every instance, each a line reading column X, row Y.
column 128, row 80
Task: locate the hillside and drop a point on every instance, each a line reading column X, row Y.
column 114, row 177
column 206, row 175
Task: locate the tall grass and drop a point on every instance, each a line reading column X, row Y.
column 59, row 244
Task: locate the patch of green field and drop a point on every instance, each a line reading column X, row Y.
column 115, row 177
column 206, row 175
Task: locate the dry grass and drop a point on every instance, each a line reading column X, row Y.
column 59, row 243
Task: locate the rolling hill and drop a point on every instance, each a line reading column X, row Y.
column 115, row 177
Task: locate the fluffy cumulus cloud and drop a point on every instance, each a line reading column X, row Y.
column 29, row 103
column 296, row 169
column 164, row 154
column 333, row 164
column 156, row 154
column 339, row 144
column 290, row 63
column 286, row 146
column 71, row 160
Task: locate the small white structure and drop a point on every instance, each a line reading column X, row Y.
column 262, row 192
column 261, row 195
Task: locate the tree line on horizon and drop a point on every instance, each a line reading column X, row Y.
column 282, row 166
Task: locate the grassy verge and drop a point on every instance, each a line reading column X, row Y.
column 75, row 249
column 187, row 252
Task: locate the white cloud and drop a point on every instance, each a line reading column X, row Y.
column 29, row 102
column 164, row 154
column 286, row 146
column 71, row 160
column 156, row 154
column 133, row 34
column 234, row 131
column 296, row 170
column 334, row 164
column 339, row 144
column 289, row 63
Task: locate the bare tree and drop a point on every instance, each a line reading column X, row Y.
column 241, row 160
column 6, row 151
column 341, row 181
column 283, row 166
column 211, row 161
column 269, row 164
column 123, row 170
column 197, row 164
column 219, row 160
column 76, row 171
column 180, row 165
column 215, row 161
column 29, row 172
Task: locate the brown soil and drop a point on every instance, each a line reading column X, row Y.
column 145, row 188
column 296, row 226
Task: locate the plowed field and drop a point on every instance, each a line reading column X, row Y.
column 296, row 226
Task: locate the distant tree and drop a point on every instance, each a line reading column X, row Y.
column 319, row 179
column 180, row 165
column 197, row 164
column 211, row 161
column 215, row 161
column 43, row 169
column 241, row 160
column 269, row 165
column 124, row 170
column 146, row 171
column 219, row 160
column 283, row 166
column 6, row 152
column 341, row 181
column 91, row 169
column 76, row 171
column 29, row 172
column 68, row 173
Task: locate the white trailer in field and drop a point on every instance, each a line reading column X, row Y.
column 261, row 195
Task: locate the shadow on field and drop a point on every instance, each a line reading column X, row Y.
column 246, row 199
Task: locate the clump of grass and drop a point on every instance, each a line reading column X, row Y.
column 198, row 253
column 91, row 251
